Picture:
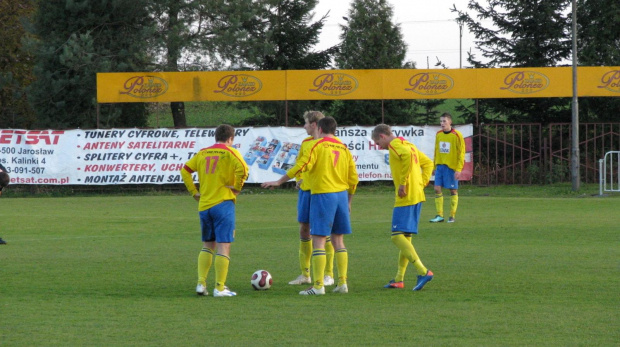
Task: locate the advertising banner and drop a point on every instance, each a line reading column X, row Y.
column 524, row 82
column 155, row 156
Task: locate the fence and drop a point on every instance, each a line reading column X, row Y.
column 535, row 154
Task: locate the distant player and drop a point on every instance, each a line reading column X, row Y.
column 303, row 205
column 411, row 171
column 4, row 182
column 221, row 173
column 333, row 181
column 449, row 162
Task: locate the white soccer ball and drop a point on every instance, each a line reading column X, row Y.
column 261, row 280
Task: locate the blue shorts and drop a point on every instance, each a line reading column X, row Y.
column 218, row 223
column 444, row 176
column 329, row 214
column 303, row 206
column 406, row 218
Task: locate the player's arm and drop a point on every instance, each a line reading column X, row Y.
column 427, row 166
column 460, row 154
column 352, row 178
column 186, row 174
column 241, row 172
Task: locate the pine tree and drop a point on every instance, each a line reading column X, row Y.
column 76, row 40
column 525, row 33
column 370, row 40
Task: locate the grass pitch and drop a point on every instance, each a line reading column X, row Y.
column 120, row 271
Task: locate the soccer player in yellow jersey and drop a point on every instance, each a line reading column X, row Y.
column 449, row 162
column 411, row 172
column 303, row 205
column 333, row 181
column 221, row 173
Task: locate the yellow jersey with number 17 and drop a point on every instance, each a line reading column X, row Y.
column 219, row 167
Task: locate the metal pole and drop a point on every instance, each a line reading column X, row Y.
column 460, row 43
column 575, row 106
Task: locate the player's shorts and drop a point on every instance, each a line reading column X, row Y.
column 406, row 218
column 444, row 176
column 218, row 223
column 329, row 214
column 303, row 206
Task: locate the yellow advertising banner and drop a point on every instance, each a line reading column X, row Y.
column 334, row 84
column 356, row 84
column 598, row 81
column 244, row 85
column 428, row 84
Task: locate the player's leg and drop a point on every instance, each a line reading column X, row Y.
column 205, row 257
column 322, row 211
column 305, row 241
column 224, row 226
column 439, row 182
column 341, row 227
column 328, row 280
column 454, row 204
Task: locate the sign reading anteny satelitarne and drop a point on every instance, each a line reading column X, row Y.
column 355, row 84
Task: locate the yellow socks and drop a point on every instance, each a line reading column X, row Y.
column 205, row 259
column 329, row 257
column 221, row 271
column 439, row 204
column 454, row 203
column 342, row 262
column 403, row 262
column 305, row 254
column 408, row 251
column 318, row 267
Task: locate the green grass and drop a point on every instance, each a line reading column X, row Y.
column 120, row 271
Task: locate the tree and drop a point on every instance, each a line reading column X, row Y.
column 525, row 33
column 199, row 35
column 288, row 35
column 15, row 65
column 598, row 47
column 371, row 41
column 75, row 41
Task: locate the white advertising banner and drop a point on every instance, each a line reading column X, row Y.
column 155, row 156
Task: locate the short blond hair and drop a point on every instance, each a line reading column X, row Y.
column 381, row 129
column 313, row 116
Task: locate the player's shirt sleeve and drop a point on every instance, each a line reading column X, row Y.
column 241, row 169
column 460, row 157
column 353, row 179
column 297, row 170
column 426, row 164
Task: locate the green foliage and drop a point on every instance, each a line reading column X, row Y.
column 289, row 35
column 524, row 34
column 15, row 66
column 370, row 40
column 505, row 274
column 598, row 45
column 76, row 40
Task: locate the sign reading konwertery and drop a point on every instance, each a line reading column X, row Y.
column 155, row 156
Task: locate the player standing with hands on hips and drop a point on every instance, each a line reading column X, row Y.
column 411, row 172
column 311, row 119
column 449, row 162
column 221, row 174
column 333, row 181
column 4, row 182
